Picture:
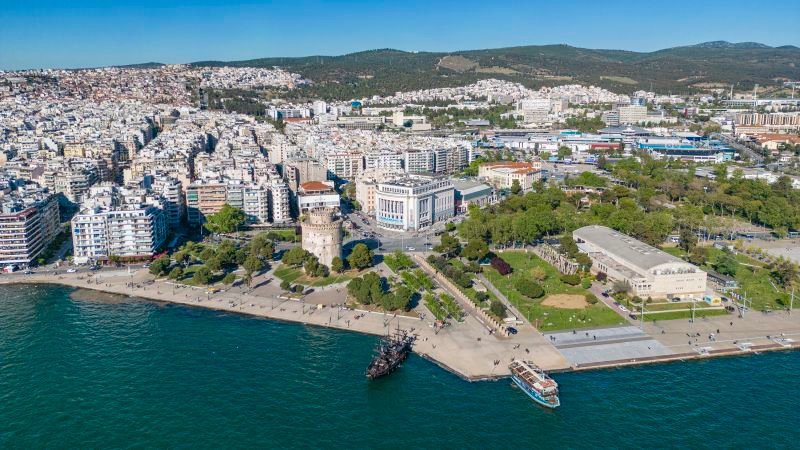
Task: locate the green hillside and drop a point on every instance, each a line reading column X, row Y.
column 679, row 69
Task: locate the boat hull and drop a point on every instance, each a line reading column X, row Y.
column 535, row 395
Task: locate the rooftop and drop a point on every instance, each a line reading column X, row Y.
column 633, row 251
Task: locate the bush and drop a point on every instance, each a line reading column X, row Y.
column 299, row 288
column 572, row 280
column 528, row 288
column 502, row 267
column 586, row 283
column 285, row 285
column 498, row 308
column 481, row 296
column 591, row 299
column 538, row 274
column 601, row 276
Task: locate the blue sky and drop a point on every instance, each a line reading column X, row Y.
column 86, row 33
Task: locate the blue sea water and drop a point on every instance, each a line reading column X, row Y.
column 128, row 373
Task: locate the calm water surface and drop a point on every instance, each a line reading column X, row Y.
column 81, row 373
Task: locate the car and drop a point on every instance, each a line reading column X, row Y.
column 72, row 270
column 411, row 249
column 511, row 330
column 145, row 266
column 605, row 294
column 28, row 272
column 94, row 268
column 623, row 309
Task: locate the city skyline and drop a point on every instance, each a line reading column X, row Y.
column 88, row 33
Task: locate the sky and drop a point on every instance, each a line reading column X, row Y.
column 92, row 33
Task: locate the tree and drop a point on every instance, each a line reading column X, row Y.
column 227, row 220
column 688, row 240
column 726, row 264
column 621, row 287
column 115, row 260
column 698, row 256
column 568, row 246
column 498, row 308
column 516, row 188
column 214, row 264
column 202, row 275
column 160, row 266
column 361, row 257
column 337, row 265
column 229, row 278
column 285, row 285
column 564, row 152
column 449, row 245
column 295, row 257
column 253, row 264
column 262, row 246
column 299, row 288
column 475, row 250
column 176, row 273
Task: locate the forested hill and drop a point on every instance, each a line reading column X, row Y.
column 678, row 69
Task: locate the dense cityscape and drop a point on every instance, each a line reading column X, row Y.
column 505, row 221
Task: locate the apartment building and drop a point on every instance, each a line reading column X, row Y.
column 28, row 224
column 131, row 232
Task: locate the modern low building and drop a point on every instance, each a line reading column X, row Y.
column 649, row 271
column 413, row 203
column 468, row 193
column 502, row 174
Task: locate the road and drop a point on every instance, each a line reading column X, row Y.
column 751, row 153
column 388, row 241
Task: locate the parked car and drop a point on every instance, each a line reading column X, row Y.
column 511, row 330
column 72, row 270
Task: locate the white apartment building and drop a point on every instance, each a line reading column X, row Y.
column 413, row 203
column 535, row 110
column 419, row 161
column 384, row 159
column 632, row 114
column 279, row 209
column 132, row 232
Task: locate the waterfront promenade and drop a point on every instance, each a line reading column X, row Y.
column 466, row 348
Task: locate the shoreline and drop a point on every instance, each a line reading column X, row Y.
column 464, row 372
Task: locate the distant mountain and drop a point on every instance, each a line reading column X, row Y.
column 726, row 44
column 679, row 69
column 147, row 65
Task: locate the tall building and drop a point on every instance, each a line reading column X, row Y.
column 420, row 161
column 28, row 224
column 535, row 110
column 413, row 203
column 279, row 208
column 632, row 114
column 131, row 232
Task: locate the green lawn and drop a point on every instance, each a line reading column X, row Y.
column 673, row 315
column 548, row 318
column 296, row 275
column 754, row 279
column 752, row 276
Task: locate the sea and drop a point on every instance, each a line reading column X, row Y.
column 84, row 370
